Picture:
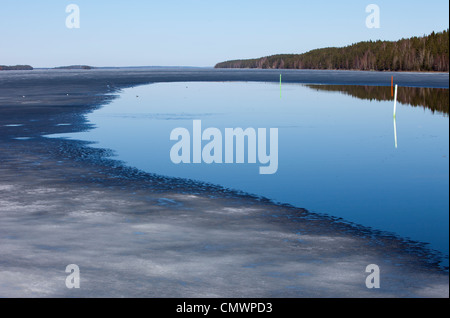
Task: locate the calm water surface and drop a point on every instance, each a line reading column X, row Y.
column 337, row 152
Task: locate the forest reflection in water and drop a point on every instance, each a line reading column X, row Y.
column 434, row 99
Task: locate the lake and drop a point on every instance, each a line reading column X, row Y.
column 340, row 151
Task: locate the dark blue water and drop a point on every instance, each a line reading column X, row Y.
column 337, row 154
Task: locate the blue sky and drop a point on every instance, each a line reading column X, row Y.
column 198, row 32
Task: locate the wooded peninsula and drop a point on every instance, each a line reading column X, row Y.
column 425, row 53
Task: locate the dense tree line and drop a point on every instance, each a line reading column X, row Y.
column 435, row 99
column 15, row 68
column 426, row 53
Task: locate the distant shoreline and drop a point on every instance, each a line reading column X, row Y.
column 336, row 70
column 212, row 67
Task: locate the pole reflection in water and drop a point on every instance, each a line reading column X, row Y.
column 395, row 114
column 395, row 132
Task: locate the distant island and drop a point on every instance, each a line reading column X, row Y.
column 426, row 53
column 15, row 68
column 74, row 67
column 29, row 68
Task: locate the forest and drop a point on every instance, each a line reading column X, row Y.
column 425, row 53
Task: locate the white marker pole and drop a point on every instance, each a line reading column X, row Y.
column 395, row 100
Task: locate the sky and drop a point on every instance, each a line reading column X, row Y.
column 198, row 32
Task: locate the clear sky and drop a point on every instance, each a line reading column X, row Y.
column 198, row 32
